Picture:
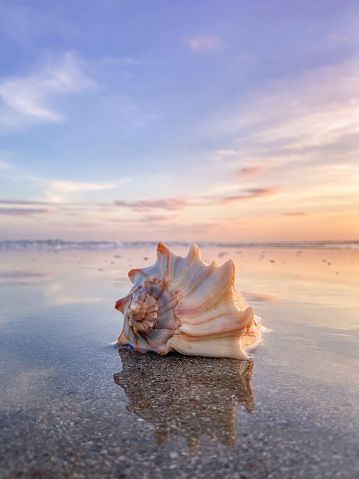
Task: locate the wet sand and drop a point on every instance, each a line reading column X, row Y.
column 72, row 405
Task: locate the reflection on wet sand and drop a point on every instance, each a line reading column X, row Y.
column 186, row 396
column 21, row 278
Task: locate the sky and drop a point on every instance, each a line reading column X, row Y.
column 163, row 120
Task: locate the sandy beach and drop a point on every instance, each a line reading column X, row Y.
column 74, row 406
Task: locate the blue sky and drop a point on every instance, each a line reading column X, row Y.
column 190, row 120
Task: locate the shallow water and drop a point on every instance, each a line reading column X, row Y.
column 72, row 405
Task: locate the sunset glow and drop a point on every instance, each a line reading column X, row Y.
column 169, row 121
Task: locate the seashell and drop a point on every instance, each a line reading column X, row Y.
column 185, row 305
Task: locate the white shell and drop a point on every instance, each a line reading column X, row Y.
column 185, row 305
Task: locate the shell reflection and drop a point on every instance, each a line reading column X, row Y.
column 187, row 396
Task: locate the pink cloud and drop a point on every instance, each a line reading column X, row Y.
column 205, row 42
column 251, row 170
column 250, row 194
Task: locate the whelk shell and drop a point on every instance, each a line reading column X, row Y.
column 185, row 305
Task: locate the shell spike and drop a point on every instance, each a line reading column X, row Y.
column 214, row 265
column 230, row 265
column 164, row 255
column 133, row 273
column 122, row 303
column 194, row 255
column 194, row 251
column 162, row 250
column 228, row 270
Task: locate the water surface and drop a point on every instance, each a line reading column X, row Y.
column 72, row 405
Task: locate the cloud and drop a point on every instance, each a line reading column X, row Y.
column 249, row 194
column 295, row 213
column 150, row 204
column 59, row 191
column 251, row 170
column 55, row 191
column 177, row 204
column 304, row 132
column 23, row 202
column 28, row 99
column 155, row 218
column 205, row 42
column 315, row 112
column 22, row 211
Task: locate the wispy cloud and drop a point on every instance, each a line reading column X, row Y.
column 29, row 98
column 150, row 204
column 19, row 202
column 202, row 201
column 302, row 132
column 205, row 42
column 22, row 211
column 295, row 213
column 249, row 194
column 155, row 218
column 306, row 114
column 59, row 191
column 50, row 191
column 251, row 170
column 178, row 204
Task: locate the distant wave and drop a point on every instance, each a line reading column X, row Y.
column 56, row 244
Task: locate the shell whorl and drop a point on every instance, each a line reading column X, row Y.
column 183, row 304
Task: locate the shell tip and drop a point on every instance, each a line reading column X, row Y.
column 162, row 249
column 119, row 305
column 194, row 252
column 229, row 270
column 132, row 273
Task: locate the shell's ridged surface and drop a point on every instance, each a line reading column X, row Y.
column 185, row 305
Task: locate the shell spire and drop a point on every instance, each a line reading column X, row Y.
column 185, row 305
